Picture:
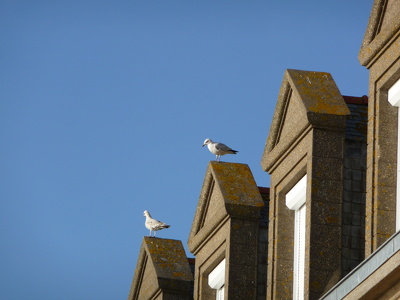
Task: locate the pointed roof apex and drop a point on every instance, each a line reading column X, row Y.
column 237, row 185
column 318, row 92
column 229, row 190
column 306, row 99
column 382, row 26
column 167, row 255
column 162, row 266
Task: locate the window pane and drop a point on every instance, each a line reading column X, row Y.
column 299, row 252
column 221, row 293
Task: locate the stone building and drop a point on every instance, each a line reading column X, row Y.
column 328, row 225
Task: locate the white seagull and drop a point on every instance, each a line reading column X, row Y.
column 218, row 149
column 153, row 224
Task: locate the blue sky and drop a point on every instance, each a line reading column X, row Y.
column 104, row 108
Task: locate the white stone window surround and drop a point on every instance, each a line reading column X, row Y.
column 216, row 279
column 394, row 99
column 296, row 200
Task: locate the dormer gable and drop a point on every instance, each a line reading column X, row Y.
column 226, row 227
column 162, row 269
column 229, row 190
column 383, row 26
column 306, row 99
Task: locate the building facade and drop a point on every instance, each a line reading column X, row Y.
column 328, row 225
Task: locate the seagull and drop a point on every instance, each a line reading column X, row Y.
column 218, row 149
column 153, row 224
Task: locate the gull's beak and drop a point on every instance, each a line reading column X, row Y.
column 203, row 145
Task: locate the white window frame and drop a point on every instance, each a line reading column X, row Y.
column 394, row 99
column 296, row 200
column 216, row 280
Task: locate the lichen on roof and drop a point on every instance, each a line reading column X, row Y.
column 318, row 92
column 168, row 258
column 236, row 183
column 232, row 192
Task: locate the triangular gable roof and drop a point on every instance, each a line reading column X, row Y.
column 162, row 266
column 382, row 26
column 229, row 189
column 306, row 99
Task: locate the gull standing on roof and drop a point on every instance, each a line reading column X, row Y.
column 153, row 224
column 218, row 149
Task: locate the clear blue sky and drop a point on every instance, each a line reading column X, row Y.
column 104, row 108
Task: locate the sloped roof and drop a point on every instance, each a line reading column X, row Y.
column 229, row 189
column 162, row 266
column 318, row 92
column 357, row 122
column 306, row 99
column 382, row 266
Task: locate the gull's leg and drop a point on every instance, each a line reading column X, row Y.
column 218, row 158
column 155, row 233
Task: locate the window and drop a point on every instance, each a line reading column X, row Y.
column 221, row 293
column 394, row 99
column 216, row 280
column 296, row 200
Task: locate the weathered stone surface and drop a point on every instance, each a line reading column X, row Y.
column 229, row 189
column 319, row 150
column 226, row 225
column 383, row 24
column 306, row 99
column 262, row 259
column 380, row 53
column 162, row 269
